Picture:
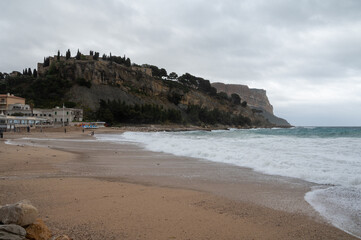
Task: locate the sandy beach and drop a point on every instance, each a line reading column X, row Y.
column 93, row 190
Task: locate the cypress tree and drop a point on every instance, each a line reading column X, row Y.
column 127, row 62
column 29, row 72
column 68, row 55
column 35, row 73
column 46, row 61
column 58, row 57
column 78, row 55
column 96, row 56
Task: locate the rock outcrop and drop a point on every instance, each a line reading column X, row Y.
column 254, row 97
column 12, row 232
column 21, row 213
column 38, row 231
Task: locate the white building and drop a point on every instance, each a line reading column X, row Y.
column 59, row 115
column 14, row 123
column 18, row 109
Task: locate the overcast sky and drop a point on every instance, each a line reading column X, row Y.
column 306, row 54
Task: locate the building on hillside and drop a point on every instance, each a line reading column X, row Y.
column 8, row 101
column 58, row 116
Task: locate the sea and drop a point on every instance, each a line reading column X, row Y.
column 330, row 157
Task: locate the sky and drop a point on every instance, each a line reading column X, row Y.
column 306, row 54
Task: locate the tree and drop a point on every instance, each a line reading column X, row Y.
column 173, row 76
column 96, row 56
column 68, row 55
column 30, row 72
column 78, row 55
column 46, row 62
column 163, row 72
column 223, row 95
column 244, row 104
column 58, row 57
column 35, row 73
column 235, row 99
column 127, row 62
column 91, row 53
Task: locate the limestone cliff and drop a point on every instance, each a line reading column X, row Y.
column 95, row 80
column 256, row 99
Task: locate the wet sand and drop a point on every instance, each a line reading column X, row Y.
column 93, row 190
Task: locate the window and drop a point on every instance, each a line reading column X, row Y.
column 56, row 113
column 67, row 113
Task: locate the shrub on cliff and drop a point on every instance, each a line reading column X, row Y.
column 235, row 99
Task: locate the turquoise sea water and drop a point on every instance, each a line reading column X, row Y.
column 327, row 156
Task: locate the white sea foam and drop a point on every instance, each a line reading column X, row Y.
column 319, row 160
column 334, row 161
column 341, row 206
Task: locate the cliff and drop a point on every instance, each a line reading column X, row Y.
column 133, row 85
column 256, row 98
column 114, row 90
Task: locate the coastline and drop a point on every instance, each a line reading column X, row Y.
column 89, row 182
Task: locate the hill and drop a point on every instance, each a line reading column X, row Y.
column 112, row 89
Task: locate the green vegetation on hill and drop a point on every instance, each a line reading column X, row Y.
column 198, row 115
column 120, row 112
column 44, row 92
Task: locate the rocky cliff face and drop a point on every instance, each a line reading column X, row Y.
column 112, row 81
column 256, row 98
